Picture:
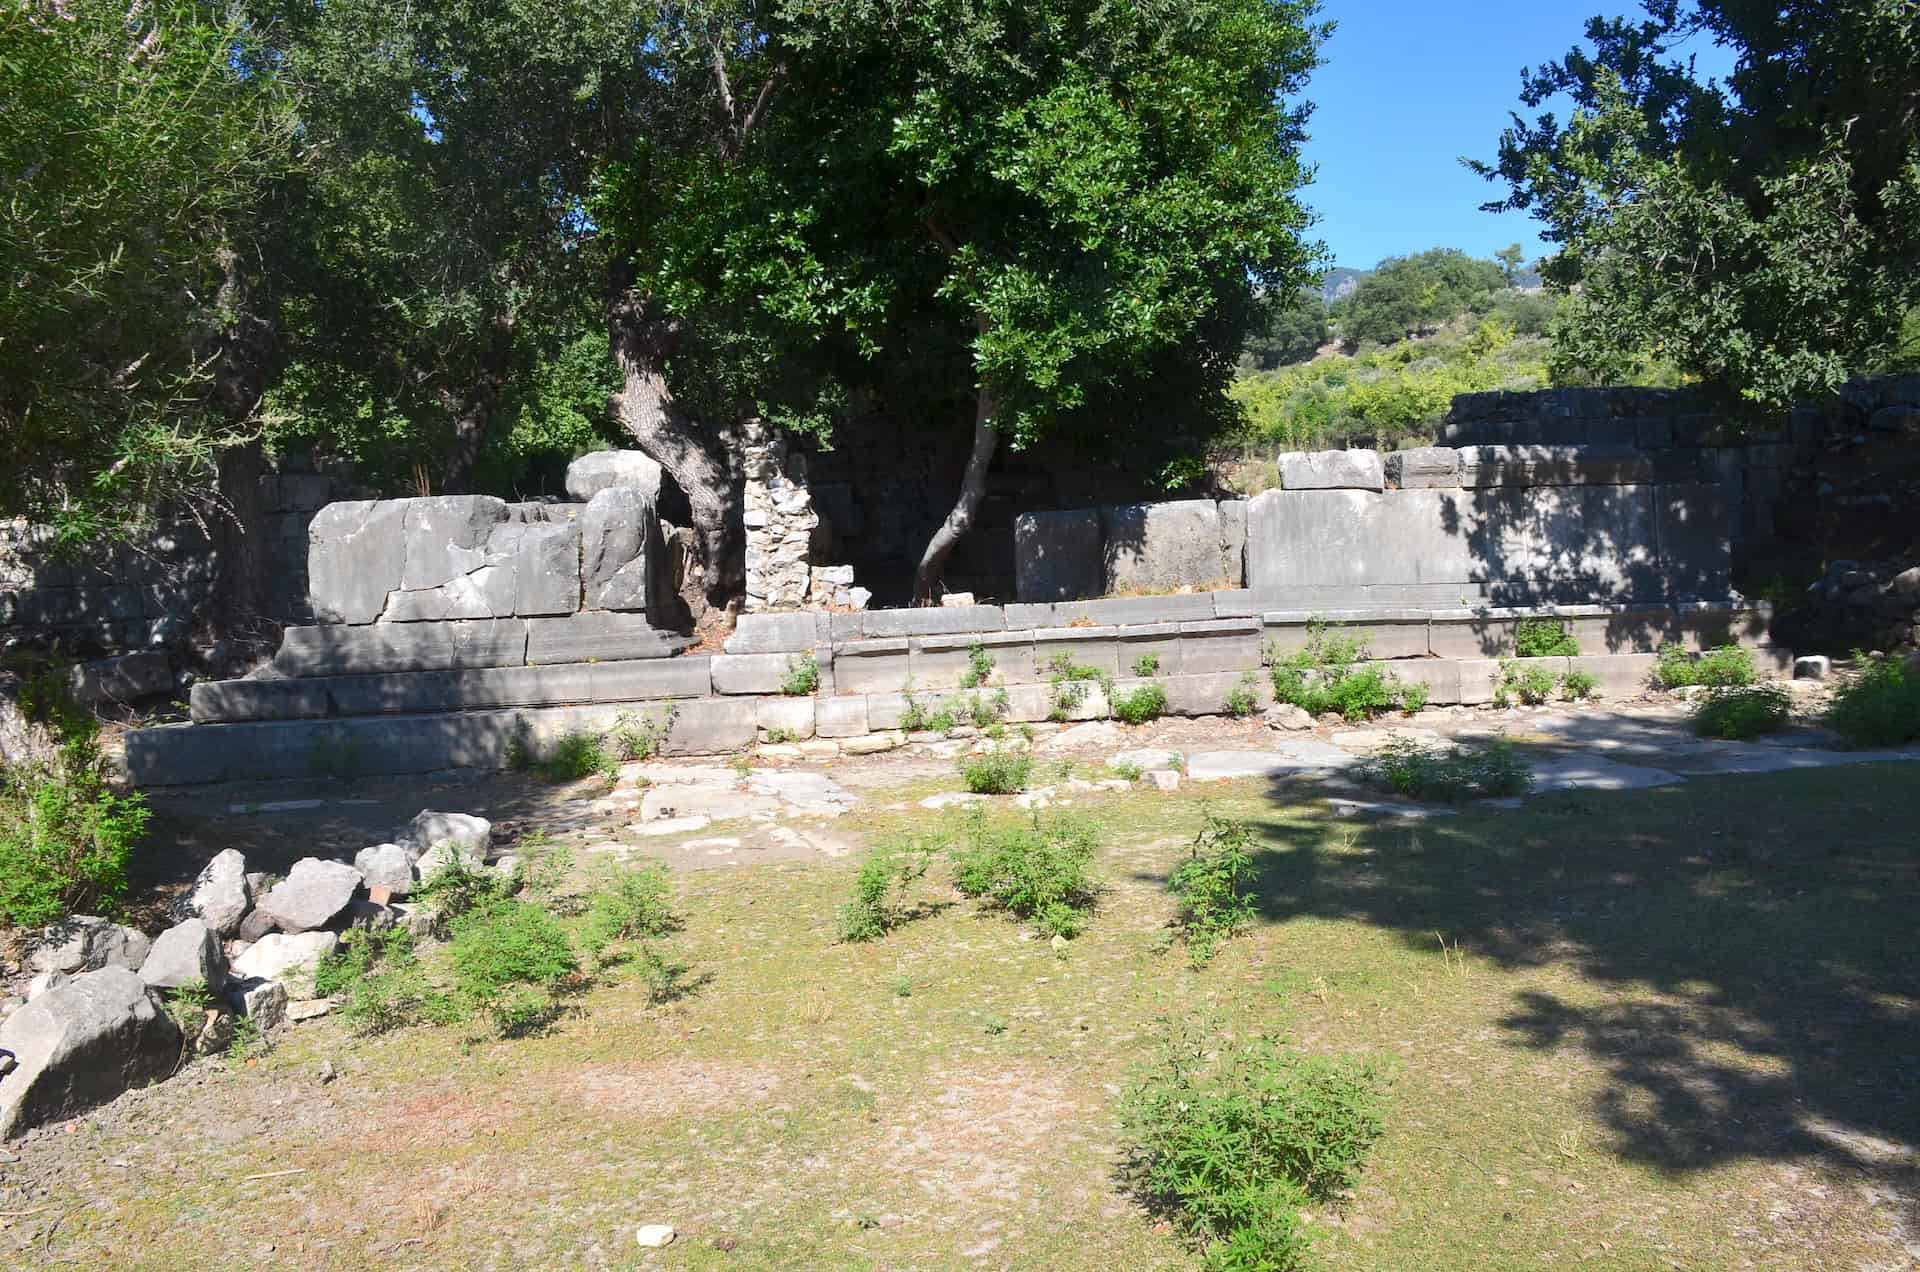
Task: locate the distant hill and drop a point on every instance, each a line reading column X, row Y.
column 1341, row 281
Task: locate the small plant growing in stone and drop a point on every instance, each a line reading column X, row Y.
column 1234, row 1141
column 578, row 755
column 637, row 737
column 1413, row 697
column 803, row 676
column 1038, row 869
column 777, row 736
column 1879, row 705
column 1722, row 667
column 1531, row 683
column 1449, row 774
column 979, row 667
column 188, row 1003
column 1146, row 665
column 1068, row 681
column 986, row 712
column 913, row 719
column 1214, row 886
column 1580, row 685
column 1742, row 711
column 1544, row 638
column 875, row 908
column 1141, row 703
column 1330, row 674
column 1128, row 771
column 1244, row 698
column 997, row 772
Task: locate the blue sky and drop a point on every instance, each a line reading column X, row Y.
column 1410, row 86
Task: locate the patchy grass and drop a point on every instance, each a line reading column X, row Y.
column 1669, row 1027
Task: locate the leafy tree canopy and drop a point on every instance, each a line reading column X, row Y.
column 1413, row 295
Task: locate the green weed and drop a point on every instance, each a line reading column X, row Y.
column 1039, row 869
column 803, row 676
column 1141, row 704
column 997, row 772
column 1720, row 668
column 1743, row 711
column 1544, row 638
column 875, row 909
column 1212, row 885
column 1491, row 770
column 1878, row 706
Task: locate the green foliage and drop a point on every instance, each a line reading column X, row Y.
column 1579, row 685
column 188, row 1003
column 1329, row 675
column 1757, row 231
column 65, row 837
column 1234, row 1140
column 1411, row 295
column 1128, row 771
column 1146, row 665
column 1294, row 333
column 458, row 889
column 636, row 737
column 1141, row 703
column 997, row 772
column 1486, row 771
column 509, row 960
column 979, row 667
column 1413, row 696
column 803, row 676
column 1544, row 638
column 1244, row 698
column 137, row 143
column 1068, row 681
column 1722, row 667
column 1879, row 705
column 1531, row 682
column 1741, row 712
column 1214, row 886
column 635, row 905
column 382, row 982
column 875, row 909
column 577, row 755
column 1039, row 869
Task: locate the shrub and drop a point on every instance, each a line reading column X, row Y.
column 874, row 910
column 984, row 712
column 803, row 676
column 979, row 667
column 636, row 904
column 1544, row 638
column 1069, row 681
column 1141, row 704
column 1413, row 696
column 509, row 959
column 1878, row 706
column 188, row 1003
column 997, row 772
column 1329, row 675
column 65, row 838
column 378, row 974
column 1530, row 682
column 578, row 755
column 1719, row 668
column 635, row 737
column 1746, row 711
column 1244, row 698
column 1455, row 773
column 1578, row 685
column 456, row 890
column 1037, row 869
column 1235, row 1143
column 1211, row 885
column 1146, row 665
column 1128, row 771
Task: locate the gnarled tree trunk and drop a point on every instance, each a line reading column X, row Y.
column 641, row 340
column 973, row 487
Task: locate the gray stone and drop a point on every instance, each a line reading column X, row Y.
column 81, row 1045
column 262, row 1001
column 86, row 943
column 356, row 555
column 713, row 726
column 1284, row 715
column 1164, row 779
column 841, row 717
column 1482, row 466
column 1153, row 547
column 220, row 894
column 1289, row 756
column 791, row 716
column 1127, row 610
column 124, row 678
column 1145, row 759
column 654, row 678
column 546, row 566
column 389, row 647
column 188, row 951
column 460, row 834
column 446, row 538
column 1424, row 468
column 313, row 892
column 1233, row 544
column 588, row 475
column 1332, row 470
column 750, row 673
column 386, row 866
column 1058, row 556
column 229, row 701
column 1812, row 667
column 371, row 916
column 289, row 959
column 1905, row 583
column 776, row 633
column 257, row 924
column 599, row 637
column 617, row 531
column 883, row 624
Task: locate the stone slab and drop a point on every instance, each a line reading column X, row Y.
column 756, row 673
column 792, row 716
column 355, row 557
column 1287, row 758
column 1617, row 675
column 1424, row 468
column 221, row 701
column 1220, row 645
column 1482, row 466
column 382, row 647
column 1206, row 695
column 1332, row 470
column 782, row 633
column 1157, row 546
column 942, row 662
column 841, row 717
column 685, row 677
column 1157, row 641
column 1387, row 633
column 1058, row 556
column 599, row 637
column 1126, row 610
column 873, row 667
column 932, row 621
column 1233, row 542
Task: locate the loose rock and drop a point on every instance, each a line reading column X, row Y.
column 311, row 895
column 81, row 1045
column 221, row 894
column 187, row 951
column 386, row 866
column 87, row 943
column 290, row 959
column 262, row 1001
column 458, row 834
column 656, row 1236
column 1286, row 716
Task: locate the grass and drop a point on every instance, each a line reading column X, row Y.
column 1465, row 771
column 1629, row 1031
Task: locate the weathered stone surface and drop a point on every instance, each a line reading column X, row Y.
column 388, row 647
column 1812, row 667
column 446, row 538
column 81, row 1045
column 778, row 633
column 386, row 866
column 123, row 678
column 220, row 894
column 1159, row 546
column 86, row 943
column 356, row 554
column 1059, row 556
column 1482, row 466
column 187, row 951
column 460, row 834
column 1125, row 610
column 1332, row 470
column 599, row 637
column 227, row 701
column 1233, row 544
column 289, row 959
column 617, row 531
column 713, row 726
column 546, row 565
column 1286, row 716
column 841, row 717
column 1145, row 759
column 313, row 892
column 262, row 1001
column 884, row 624
column 588, row 475
column 791, row 716
column 1424, row 468
column 750, row 673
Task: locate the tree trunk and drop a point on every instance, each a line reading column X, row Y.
column 641, row 341
column 245, row 352
column 973, row 488
column 472, row 408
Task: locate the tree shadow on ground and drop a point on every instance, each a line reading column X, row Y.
column 1755, row 935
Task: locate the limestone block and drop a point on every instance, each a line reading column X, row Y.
column 934, row 622
column 312, row 893
column 588, row 475
column 546, row 566
column 1058, row 556
column 1140, row 645
column 651, row 678
column 186, row 952
column 1482, row 466
column 1095, row 647
column 598, row 636
column 1424, row 468
column 1220, row 644
column 385, row 647
column 1233, row 542
column 617, row 533
column 792, row 716
column 778, row 633
column 844, row 717
column 123, row 678
column 446, row 538
column 355, row 556
column 873, row 666
column 81, row 1045
column 755, row 673
column 86, row 943
column 221, row 895
column 288, row 959
column 713, row 726
column 1125, row 610
column 1332, row 470
column 388, row 866
column 1158, row 546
